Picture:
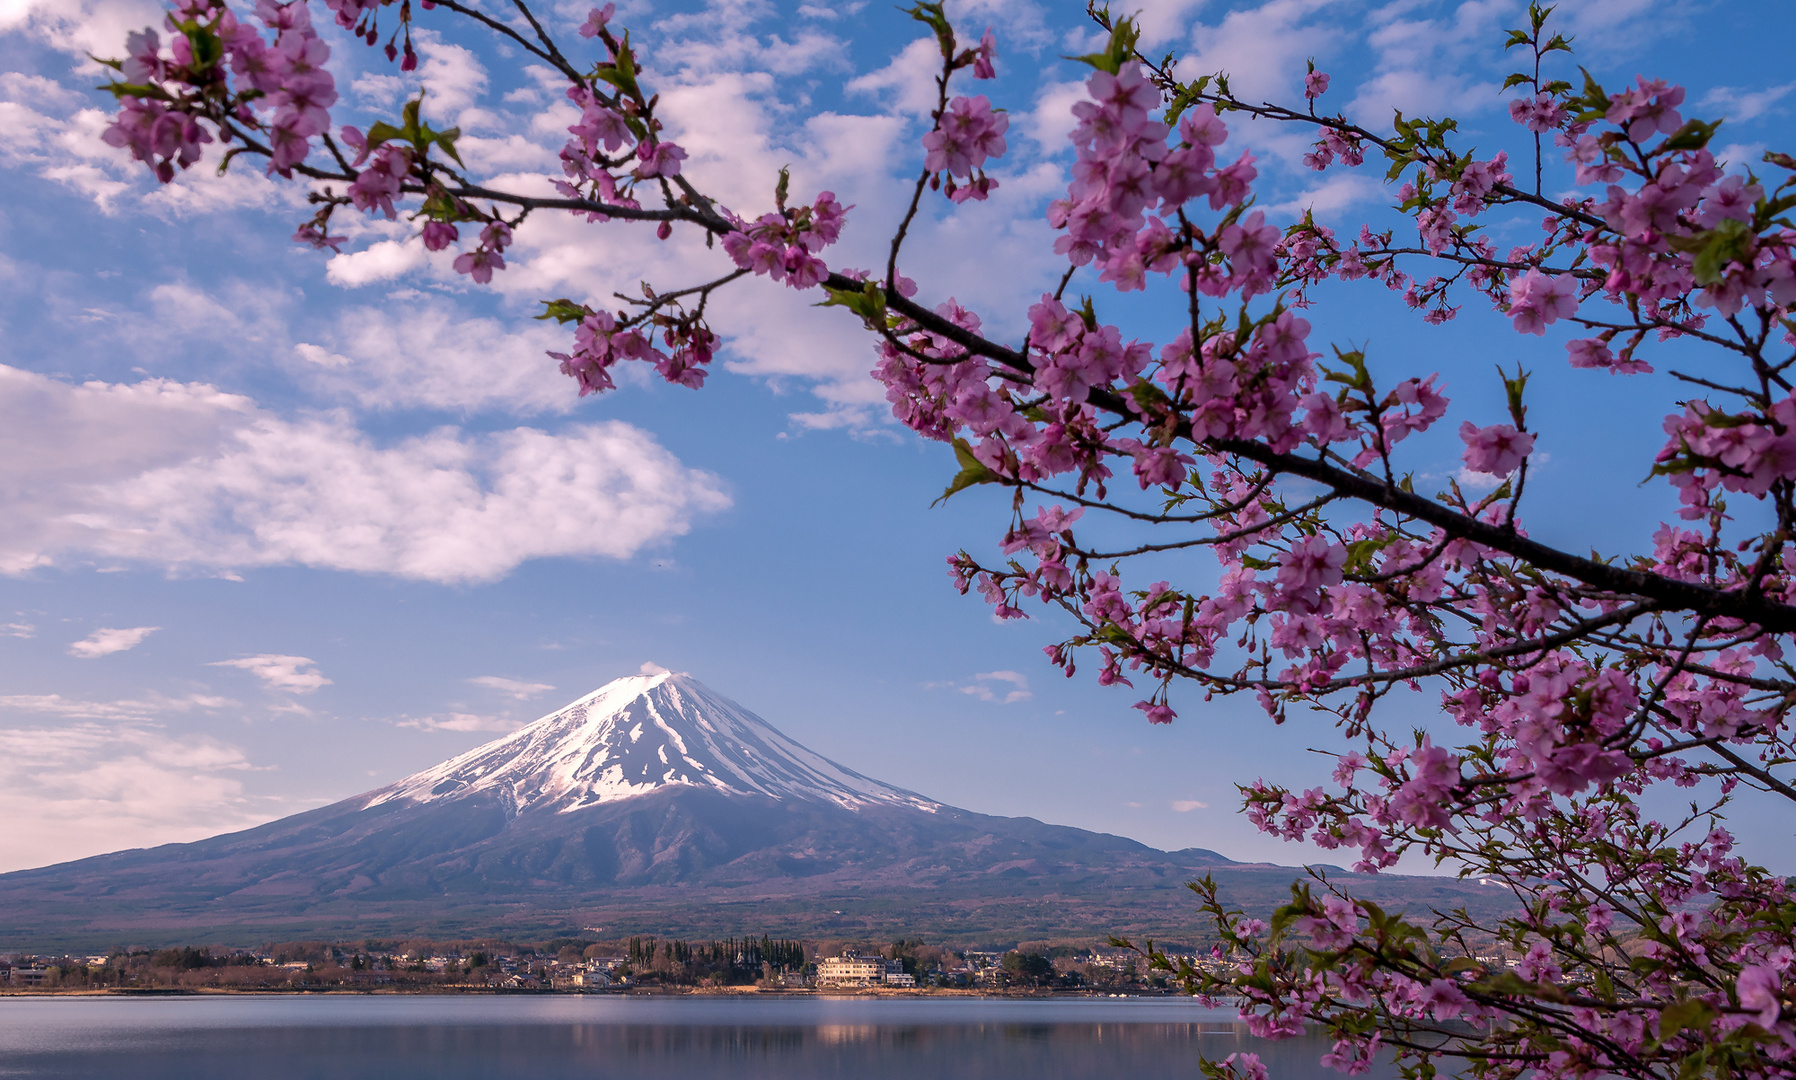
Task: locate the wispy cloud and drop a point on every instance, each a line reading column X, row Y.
column 517, row 688
column 148, row 707
column 289, row 673
column 108, row 640
column 990, row 686
column 1185, row 806
column 456, row 721
column 1739, row 104
column 18, row 630
column 92, row 787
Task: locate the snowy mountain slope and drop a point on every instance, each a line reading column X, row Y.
column 637, row 735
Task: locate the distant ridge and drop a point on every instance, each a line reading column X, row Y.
column 651, row 805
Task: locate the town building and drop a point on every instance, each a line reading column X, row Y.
column 851, row 969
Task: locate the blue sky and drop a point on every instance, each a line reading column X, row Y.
column 281, row 528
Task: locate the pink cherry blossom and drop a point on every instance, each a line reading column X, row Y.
column 968, row 134
column 1496, row 449
column 596, row 20
column 1537, row 301
column 1759, row 988
column 659, row 159
column 983, row 57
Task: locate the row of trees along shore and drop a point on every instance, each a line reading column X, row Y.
column 1572, row 673
column 641, row 961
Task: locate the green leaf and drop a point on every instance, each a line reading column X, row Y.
column 869, row 302
column 1514, row 388
column 626, row 62
column 1694, row 135
column 1150, row 397
column 972, row 471
column 1360, row 552
column 933, row 16
column 1517, row 79
column 1087, row 313
column 1595, row 96
column 1117, row 51
column 446, row 140
column 621, row 73
column 564, row 311
column 1689, row 1013
column 207, row 49
column 1725, row 244
column 381, row 132
column 1187, row 96
column 136, row 90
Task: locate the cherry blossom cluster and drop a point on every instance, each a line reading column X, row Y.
column 966, row 136
column 1304, row 600
column 282, row 91
column 783, row 245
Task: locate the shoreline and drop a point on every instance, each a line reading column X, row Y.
column 679, row 991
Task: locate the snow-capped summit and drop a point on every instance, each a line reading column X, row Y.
column 636, row 735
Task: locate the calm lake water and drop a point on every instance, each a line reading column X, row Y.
column 691, row 1038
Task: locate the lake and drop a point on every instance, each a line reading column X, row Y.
column 343, row 1037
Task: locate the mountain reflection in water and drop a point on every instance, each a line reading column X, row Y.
column 544, row 1038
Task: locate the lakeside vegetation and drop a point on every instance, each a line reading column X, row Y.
column 575, row 964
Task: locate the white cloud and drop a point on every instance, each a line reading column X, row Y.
column 188, row 476
column 1739, row 155
column 294, row 674
column 1338, row 192
column 1185, row 806
column 109, row 640
column 452, row 78
column 649, row 667
column 907, row 84
column 383, row 260
column 324, row 358
column 1052, row 120
column 88, row 788
column 425, row 354
column 1160, row 21
column 982, row 687
column 1739, row 104
column 18, row 630
column 1611, row 28
column 517, row 688
column 1261, row 48
column 1429, row 66
column 461, row 722
column 149, row 707
column 80, row 27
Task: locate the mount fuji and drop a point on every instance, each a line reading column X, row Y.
column 655, row 805
column 633, row 736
